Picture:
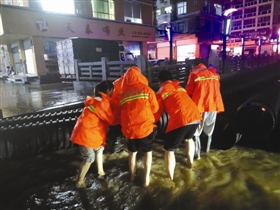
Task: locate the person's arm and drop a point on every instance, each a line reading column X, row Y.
column 190, row 85
column 158, row 114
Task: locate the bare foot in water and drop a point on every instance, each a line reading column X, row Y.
column 147, row 182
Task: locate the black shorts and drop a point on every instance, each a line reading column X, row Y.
column 174, row 138
column 144, row 144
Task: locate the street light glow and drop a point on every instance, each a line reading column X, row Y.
column 228, row 11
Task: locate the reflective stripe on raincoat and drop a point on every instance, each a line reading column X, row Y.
column 204, row 87
column 138, row 105
column 91, row 126
column 115, row 101
column 178, row 105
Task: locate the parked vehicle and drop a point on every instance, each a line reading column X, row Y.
column 87, row 50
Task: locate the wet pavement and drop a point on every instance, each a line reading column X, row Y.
column 19, row 99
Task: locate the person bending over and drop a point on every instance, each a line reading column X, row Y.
column 138, row 106
column 91, row 128
column 184, row 119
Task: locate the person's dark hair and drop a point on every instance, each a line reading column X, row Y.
column 164, row 75
column 103, row 87
column 198, row 61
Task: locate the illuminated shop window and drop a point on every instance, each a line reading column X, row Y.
column 103, row 9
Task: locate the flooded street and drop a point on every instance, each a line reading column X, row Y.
column 233, row 179
column 238, row 178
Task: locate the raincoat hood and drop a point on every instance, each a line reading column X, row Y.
column 134, row 76
column 199, row 67
column 95, row 100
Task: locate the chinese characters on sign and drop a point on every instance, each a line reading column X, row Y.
column 121, row 32
column 68, row 28
column 106, row 29
column 88, row 31
column 42, row 25
column 141, row 34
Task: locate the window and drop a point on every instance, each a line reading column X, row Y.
column 168, row 9
column 265, row 9
column 263, row 21
column 59, row 6
column 132, row 12
column 103, row 9
column 182, row 8
column 249, row 23
column 236, row 25
column 250, row 12
column 218, row 9
column 207, row 6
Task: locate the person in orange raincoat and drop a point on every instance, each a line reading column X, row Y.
column 114, row 131
column 138, row 106
column 204, row 88
column 184, row 119
column 91, row 129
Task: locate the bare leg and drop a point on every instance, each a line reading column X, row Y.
column 99, row 163
column 84, row 167
column 147, row 167
column 197, row 148
column 132, row 165
column 170, row 163
column 189, row 146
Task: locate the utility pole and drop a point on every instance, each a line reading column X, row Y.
column 169, row 30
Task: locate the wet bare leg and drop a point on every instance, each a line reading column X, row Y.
column 99, row 163
column 189, row 146
column 170, row 163
column 147, row 167
column 132, row 165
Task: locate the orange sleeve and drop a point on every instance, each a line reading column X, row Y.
column 158, row 114
column 106, row 113
column 190, row 84
column 153, row 101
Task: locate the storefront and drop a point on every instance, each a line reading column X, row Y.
column 30, row 40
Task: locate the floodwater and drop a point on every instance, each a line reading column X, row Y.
column 238, row 178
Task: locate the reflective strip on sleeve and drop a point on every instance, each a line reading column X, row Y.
column 206, row 78
column 91, row 108
column 135, row 97
column 181, row 90
column 165, row 95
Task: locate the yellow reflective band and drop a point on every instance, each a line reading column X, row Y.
column 91, row 108
column 206, row 78
column 131, row 98
column 181, row 90
column 165, row 95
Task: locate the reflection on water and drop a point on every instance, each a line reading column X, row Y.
column 19, row 99
column 233, row 179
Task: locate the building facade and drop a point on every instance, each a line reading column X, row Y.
column 29, row 29
column 258, row 21
column 196, row 26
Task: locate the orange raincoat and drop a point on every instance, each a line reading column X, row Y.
column 178, row 105
column 138, row 105
column 204, row 87
column 91, row 126
column 115, row 101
